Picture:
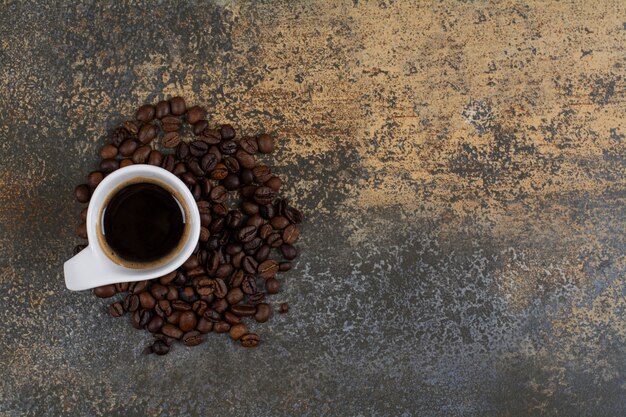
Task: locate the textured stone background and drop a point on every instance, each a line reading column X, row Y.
column 462, row 166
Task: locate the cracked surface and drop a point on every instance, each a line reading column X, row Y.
column 461, row 166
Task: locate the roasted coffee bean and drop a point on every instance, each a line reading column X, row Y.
column 263, row 253
column 255, row 220
column 171, row 124
column 83, row 213
column 181, row 279
column 228, row 147
column 128, row 147
column 221, row 327
column 236, row 279
column 212, row 315
column 274, row 183
column 284, row 308
column 105, row 291
column 248, row 286
column 155, row 158
column 178, row 106
column 219, row 172
column 231, row 182
column 168, row 163
column 78, row 249
column 245, row 159
column 204, row 234
column 264, row 195
column 291, row 234
column 126, row 162
column 204, row 207
column 198, row 148
column 146, row 300
column 163, row 308
column 205, row 287
column 250, row 208
column 131, row 127
column 108, row 151
column 237, row 331
column 293, row 215
column 189, row 179
column 182, row 151
column 119, row 135
column 199, row 127
column 116, row 310
column 232, row 165
column 249, row 265
column 279, row 222
column 131, row 302
column 265, row 231
column 262, row 173
column 227, row 132
column 219, row 209
column 162, row 109
column 209, row 161
column 211, row 136
column 171, row 139
column 191, row 262
column 234, row 296
column 243, row 310
column 218, row 194
column 135, row 319
column 284, row 266
column 249, row 145
column 246, row 177
column 140, row 156
column 144, row 317
column 272, row 286
column 172, row 331
column 247, row 233
column 155, row 324
column 147, row 133
column 268, row 269
column 195, row 114
column 223, row 271
column 231, row 318
column 250, row 248
column 187, row 294
column 109, row 165
column 204, row 325
column 158, row 291
column 173, row 318
column 233, row 248
column 220, row 288
column 94, row 179
column 145, row 113
column 205, row 219
column 266, row 143
column 187, row 321
column 200, row 307
column 213, row 262
column 263, row 312
column 217, row 225
column 193, row 338
column 274, row 240
column 234, row 218
column 256, row 298
column 250, row 340
column 195, row 168
column 288, row 251
column 196, row 193
column 235, row 260
column 267, row 211
column 81, row 231
column 180, row 305
column 82, row 193
column 160, row 348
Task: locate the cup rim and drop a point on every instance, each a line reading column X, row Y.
column 109, row 184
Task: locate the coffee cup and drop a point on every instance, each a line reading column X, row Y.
column 142, row 223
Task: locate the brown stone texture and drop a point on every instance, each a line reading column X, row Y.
column 461, row 166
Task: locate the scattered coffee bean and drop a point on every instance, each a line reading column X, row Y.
column 116, row 309
column 172, row 331
column 263, row 312
column 266, row 143
column 162, row 109
column 272, row 286
column 193, row 338
column 145, row 113
column 178, row 106
column 250, row 340
column 237, row 330
column 160, row 348
column 105, row 291
column 147, row 133
column 82, row 193
column 284, row 308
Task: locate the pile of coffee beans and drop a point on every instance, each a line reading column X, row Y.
column 246, row 239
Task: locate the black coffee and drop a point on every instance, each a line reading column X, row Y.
column 143, row 223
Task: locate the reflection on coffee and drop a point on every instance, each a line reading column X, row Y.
column 143, row 223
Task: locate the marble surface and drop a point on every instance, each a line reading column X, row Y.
column 461, row 166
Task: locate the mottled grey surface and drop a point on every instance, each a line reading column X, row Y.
column 461, row 166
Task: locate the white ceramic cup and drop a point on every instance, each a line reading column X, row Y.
column 96, row 265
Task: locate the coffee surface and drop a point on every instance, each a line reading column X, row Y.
column 143, row 223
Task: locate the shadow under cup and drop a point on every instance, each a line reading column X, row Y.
column 143, row 223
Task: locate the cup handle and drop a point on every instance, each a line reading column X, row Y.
column 85, row 270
